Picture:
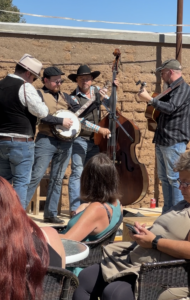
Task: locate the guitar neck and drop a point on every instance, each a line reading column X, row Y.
column 167, row 90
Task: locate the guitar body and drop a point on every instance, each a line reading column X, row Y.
column 152, row 115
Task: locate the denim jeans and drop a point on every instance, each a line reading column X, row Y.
column 166, row 158
column 16, row 160
column 82, row 151
column 58, row 152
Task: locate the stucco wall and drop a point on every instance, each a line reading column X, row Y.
column 140, row 57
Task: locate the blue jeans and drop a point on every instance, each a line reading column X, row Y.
column 166, row 159
column 58, row 152
column 16, row 160
column 82, row 151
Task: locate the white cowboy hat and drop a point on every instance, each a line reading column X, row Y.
column 31, row 64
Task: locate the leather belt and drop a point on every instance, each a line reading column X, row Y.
column 8, row 138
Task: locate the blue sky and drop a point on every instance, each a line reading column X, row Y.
column 130, row 11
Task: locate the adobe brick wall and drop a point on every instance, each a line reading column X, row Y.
column 139, row 59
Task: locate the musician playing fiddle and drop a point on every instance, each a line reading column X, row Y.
column 83, row 146
column 173, row 129
column 48, row 147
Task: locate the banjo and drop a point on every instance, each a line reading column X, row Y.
column 73, row 132
column 63, row 133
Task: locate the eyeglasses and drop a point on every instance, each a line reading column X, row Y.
column 183, row 184
column 162, row 73
column 58, row 81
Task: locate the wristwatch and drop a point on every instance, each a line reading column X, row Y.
column 155, row 241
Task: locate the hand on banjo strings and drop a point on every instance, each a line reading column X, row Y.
column 105, row 132
column 67, row 123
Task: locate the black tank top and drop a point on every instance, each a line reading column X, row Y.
column 55, row 259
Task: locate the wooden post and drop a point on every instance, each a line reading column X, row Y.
column 179, row 30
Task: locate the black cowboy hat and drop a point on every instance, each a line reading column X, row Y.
column 83, row 70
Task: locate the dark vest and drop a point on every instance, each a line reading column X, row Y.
column 92, row 117
column 14, row 117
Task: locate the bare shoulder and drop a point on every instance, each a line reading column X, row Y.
column 96, row 207
column 51, row 232
column 55, row 242
column 82, row 207
column 52, row 237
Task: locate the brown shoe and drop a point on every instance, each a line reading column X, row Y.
column 72, row 213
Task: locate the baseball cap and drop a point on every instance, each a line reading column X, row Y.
column 52, row 71
column 173, row 64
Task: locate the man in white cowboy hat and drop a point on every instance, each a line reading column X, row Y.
column 20, row 105
column 83, row 146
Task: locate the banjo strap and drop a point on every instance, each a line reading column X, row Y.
column 82, row 109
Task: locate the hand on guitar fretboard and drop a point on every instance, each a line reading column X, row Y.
column 143, row 84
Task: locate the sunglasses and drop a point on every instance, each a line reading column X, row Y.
column 58, row 81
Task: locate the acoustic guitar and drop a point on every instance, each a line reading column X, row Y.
column 151, row 113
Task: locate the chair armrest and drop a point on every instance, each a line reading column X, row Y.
column 155, row 278
column 59, row 283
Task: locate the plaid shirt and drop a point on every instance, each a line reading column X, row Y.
column 174, row 120
column 84, row 123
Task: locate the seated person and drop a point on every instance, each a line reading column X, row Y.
column 99, row 187
column 24, row 249
column 168, row 239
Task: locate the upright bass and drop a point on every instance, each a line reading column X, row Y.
column 120, row 147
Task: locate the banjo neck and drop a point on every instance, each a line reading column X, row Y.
column 82, row 109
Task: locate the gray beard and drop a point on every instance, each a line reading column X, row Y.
column 164, row 86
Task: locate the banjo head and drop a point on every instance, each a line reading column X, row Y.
column 67, row 134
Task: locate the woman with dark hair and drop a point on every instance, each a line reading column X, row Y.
column 23, row 249
column 99, row 187
column 168, row 239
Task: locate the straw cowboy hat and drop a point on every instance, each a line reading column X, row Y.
column 83, row 70
column 31, row 64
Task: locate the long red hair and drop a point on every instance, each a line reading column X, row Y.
column 22, row 269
